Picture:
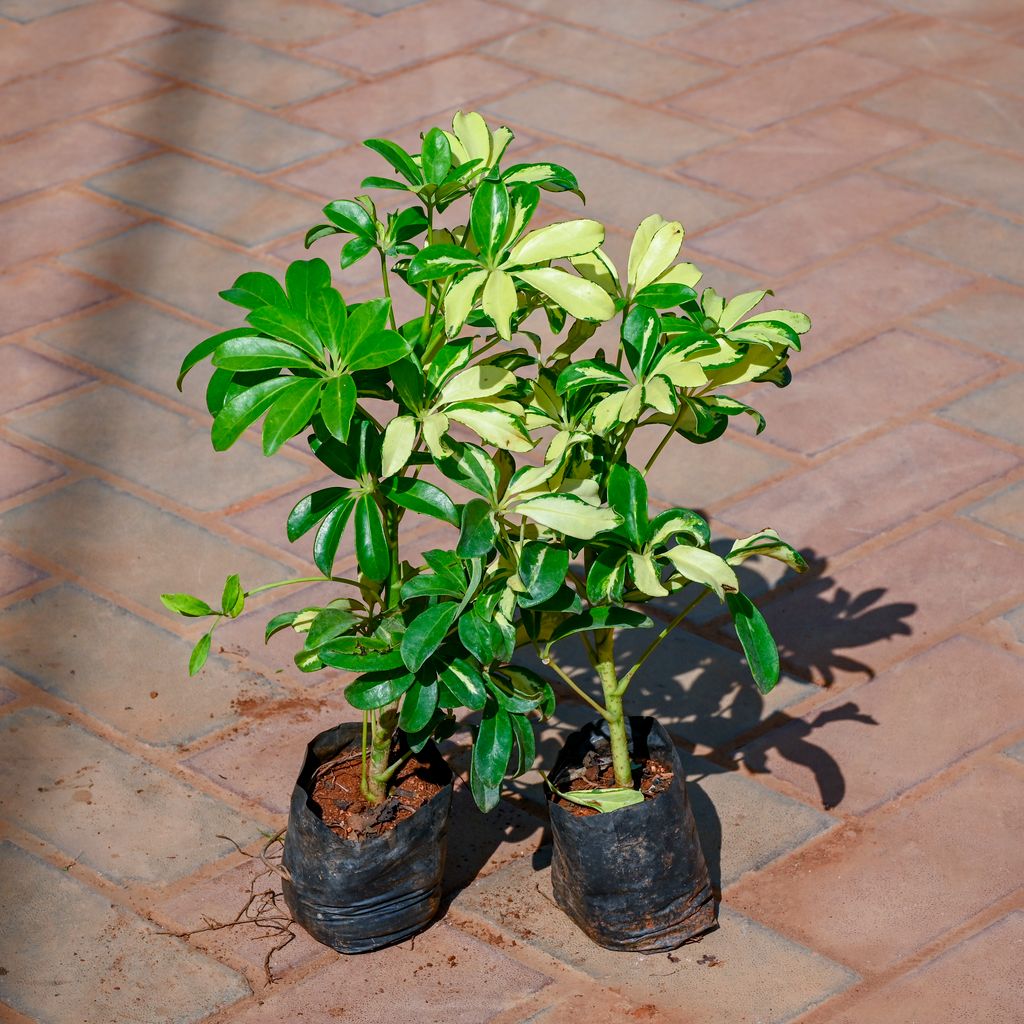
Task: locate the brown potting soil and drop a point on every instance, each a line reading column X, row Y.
column 339, row 801
column 655, row 779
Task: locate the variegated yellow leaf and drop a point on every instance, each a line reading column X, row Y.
column 704, row 567
column 683, row 373
column 555, row 242
column 579, row 298
column 682, row 273
column 435, row 427
column 645, row 575
column 642, row 238
column 570, row 515
column 460, row 298
column 499, row 301
column 597, row 267
column 481, row 381
column 663, row 249
column 736, row 308
column 659, row 394
column 399, row 439
column 493, row 425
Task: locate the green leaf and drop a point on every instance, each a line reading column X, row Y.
column 465, row 682
column 372, row 351
column 255, row 289
column 479, row 530
column 378, row 689
column 421, row 497
column 354, row 250
column 337, row 404
column 308, row 511
column 200, row 653
column 590, row 373
column 602, row 617
column 277, row 623
column 436, row 261
column 418, row 706
column 664, row 296
column 480, row 636
column 627, row 494
column 350, row 216
column 303, row 279
column 473, row 468
column 186, row 604
column 233, row 599
column 290, row 412
column 244, row 409
column 668, row 525
column 251, row 352
column 398, row 158
column 577, row 296
column 548, row 176
column 358, row 660
column 518, row 690
column 757, row 641
column 328, row 314
column 522, row 729
column 641, row 333
column 426, row 632
column 493, row 745
column 207, row 347
column 607, row 577
column 436, row 156
column 569, row 515
column 372, row 551
column 329, row 624
column 488, row 216
column 542, row 568
column 288, row 326
column 486, row 796
column 604, row 800
column 328, row 537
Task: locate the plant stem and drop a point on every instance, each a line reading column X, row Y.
column 613, row 708
column 375, row 788
column 653, row 645
column 567, row 679
column 661, row 445
column 305, row 579
column 387, row 288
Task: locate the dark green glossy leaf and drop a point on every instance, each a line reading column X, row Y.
column 244, row 409
column 370, row 352
column 493, row 745
column 418, row 706
column 359, row 661
column 488, row 215
column 255, row 289
column 522, row 729
column 373, row 181
column 186, row 604
column 318, row 231
column 303, row 279
column 479, row 529
column 329, row 624
column 378, row 689
column 480, row 636
column 436, row 157
column 277, row 623
column 200, row 653
column 470, row 466
column 350, row 216
column 354, row 250
column 600, row 618
column 640, row 335
column 288, row 326
column 421, row 497
column 465, row 682
column 399, row 159
column 364, row 321
column 207, row 347
column 436, row 261
column 328, row 315
column 325, row 545
column 627, row 494
column 542, row 568
column 337, row 404
column 426, row 632
column 486, row 796
column 250, row 352
column 607, row 577
column 756, row 639
column 664, row 296
column 309, row 510
column 518, row 690
column 290, row 412
column 372, row 551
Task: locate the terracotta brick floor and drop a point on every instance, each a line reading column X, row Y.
column 865, row 158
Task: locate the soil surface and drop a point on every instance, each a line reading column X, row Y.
column 339, row 801
column 597, row 773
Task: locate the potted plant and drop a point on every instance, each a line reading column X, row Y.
column 530, row 449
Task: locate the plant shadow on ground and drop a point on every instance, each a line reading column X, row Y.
column 698, row 686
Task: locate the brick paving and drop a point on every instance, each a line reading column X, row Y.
column 865, row 158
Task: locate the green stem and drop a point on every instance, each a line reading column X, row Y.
column 375, row 788
column 613, row 708
column 567, row 679
column 304, row 579
column 664, row 441
column 653, row 645
column 387, row 288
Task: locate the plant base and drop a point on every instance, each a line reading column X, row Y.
column 360, row 895
column 632, row 879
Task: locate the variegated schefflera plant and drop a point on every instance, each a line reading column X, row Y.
column 555, row 537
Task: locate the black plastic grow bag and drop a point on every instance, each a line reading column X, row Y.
column 360, row 895
column 635, row 878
